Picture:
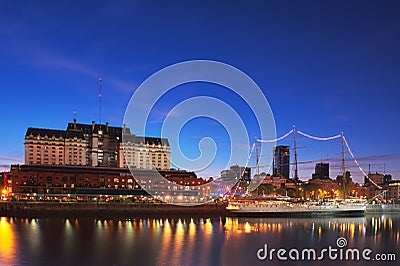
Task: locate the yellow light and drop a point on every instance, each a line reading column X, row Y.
column 4, row 191
column 7, row 244
column 247, row 228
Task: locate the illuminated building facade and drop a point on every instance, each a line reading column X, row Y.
column 64, row 180
column 144, row 153
column 95, row 145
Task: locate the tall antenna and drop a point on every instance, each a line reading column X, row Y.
column 296, row 172
column 100, row 96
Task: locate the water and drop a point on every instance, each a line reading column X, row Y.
column 189, row 241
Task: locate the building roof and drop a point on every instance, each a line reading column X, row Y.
column 156, row 141
column 94, row 128
column 54, row 133
column 80, row 130
column 45, row 132
column 73, row 169
column 74, row 133
column 150, row 140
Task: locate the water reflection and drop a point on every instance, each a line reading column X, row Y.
column 200, row 241
column 316, row 226
column 7, row 242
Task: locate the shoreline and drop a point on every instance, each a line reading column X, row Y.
column 102, row 210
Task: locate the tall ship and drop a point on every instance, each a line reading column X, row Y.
column 279, row 207
column 284, row 206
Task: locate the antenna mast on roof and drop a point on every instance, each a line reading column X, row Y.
column 296, row 169
column 100, row 96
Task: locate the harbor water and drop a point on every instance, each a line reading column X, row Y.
column 200, row 241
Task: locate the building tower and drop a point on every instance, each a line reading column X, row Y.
column 321, row 171
column 282, row 161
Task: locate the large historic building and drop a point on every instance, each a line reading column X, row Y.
column 95, row 145
column 144, row 152
column 53, row 180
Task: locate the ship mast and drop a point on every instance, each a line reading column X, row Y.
column 257, row 161
column 343, row 168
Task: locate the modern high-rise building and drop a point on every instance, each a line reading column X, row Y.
column 321, row 171
column 95, row 145
column 281, row 161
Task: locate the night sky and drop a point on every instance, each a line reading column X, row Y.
column 325, row 66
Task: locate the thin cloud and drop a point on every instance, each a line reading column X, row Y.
column 11, row 159
column 7, row 161
column 42, row 59
column 369, row 159
column 38, row 55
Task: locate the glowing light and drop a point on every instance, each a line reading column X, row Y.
column 7, row 244
column 247, row 228
column 208, row 227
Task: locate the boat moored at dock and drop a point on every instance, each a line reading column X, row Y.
column 284, row 207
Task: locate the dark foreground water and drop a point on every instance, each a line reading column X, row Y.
column 211, row 241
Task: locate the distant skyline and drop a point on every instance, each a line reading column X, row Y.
column 325, row 66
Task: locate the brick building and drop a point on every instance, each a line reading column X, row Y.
column 393, row 191
column 58, row 179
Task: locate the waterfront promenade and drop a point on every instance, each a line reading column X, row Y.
column 107, row 210
column 110, row 210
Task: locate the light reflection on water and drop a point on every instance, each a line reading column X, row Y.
column 185, row 241
column 7, row 242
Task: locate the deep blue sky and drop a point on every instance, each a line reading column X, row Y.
column 325, row 66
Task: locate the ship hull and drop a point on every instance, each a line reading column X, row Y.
column 354, row 213
column 290, row 210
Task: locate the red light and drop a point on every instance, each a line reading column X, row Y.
column 5, row 180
